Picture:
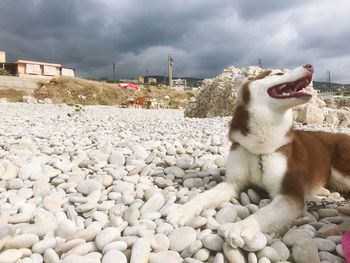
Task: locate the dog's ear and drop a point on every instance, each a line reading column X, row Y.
column 239, row 81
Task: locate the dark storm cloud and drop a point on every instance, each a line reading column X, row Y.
column 203, row 36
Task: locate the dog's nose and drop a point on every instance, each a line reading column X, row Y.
column 309, row 67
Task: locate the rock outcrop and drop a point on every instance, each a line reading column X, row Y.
column 217, row 98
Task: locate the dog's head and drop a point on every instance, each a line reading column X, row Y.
column 278, row 90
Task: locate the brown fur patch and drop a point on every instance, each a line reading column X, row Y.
column 240, row 120
column 234, row 146
column 311, row 155
column 261, row 75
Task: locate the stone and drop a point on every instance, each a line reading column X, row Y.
column 269, row 253
column 50, row 256
column 165, row 256
column 226, row 214
column 52, row 204
column 233, row 255
column 10, row 255
column 326, row 256
column 176, row 171
column 184, row 162
column 202, row 255
column 213, row 242
column 281, row 249
column 22, row 241
column 310, row 114
column 66, row 229
column 192, row 249
column 106, row 236
column 131, row 215
column 40, row 246
column 90, row 232
column 86, row 187
column 140, row 252
column 325, row 244
column 161, row 243
column 153, row 204
column 327, row 212
column 295, row 234
column 115, row 245
column 113, row 256
column 182, row 237
column 258, row 242
column 117, row 158
column 305, row 251
column 196, row 222
column 219, row 258
column 10, row 173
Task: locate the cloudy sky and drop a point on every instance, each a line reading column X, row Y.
column 203, row 36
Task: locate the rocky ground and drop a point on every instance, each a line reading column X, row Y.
column 96, row 184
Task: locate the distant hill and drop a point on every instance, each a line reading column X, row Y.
column 325, row 86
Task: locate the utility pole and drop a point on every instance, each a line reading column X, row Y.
column 329, row 80
column 170, row 70
column 114, row 72
column 260, row 62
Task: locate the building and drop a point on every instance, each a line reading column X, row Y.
column 28, row 68
column 140, row 80
column 152, row 81
column 179, row 84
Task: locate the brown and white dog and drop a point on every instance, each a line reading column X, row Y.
column 289, row 164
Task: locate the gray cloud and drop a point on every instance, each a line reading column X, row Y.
column 203, row 36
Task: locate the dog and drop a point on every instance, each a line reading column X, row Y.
column 290, row 165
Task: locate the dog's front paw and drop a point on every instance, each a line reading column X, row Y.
column 182, row 214
column 239, row 234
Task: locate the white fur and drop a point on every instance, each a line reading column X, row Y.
column 339, row 181
column 270, row 120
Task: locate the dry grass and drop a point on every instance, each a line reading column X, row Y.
column 81, row 91
column 12, row 95
column 75, row 90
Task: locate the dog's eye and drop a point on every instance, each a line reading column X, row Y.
column 280, row 73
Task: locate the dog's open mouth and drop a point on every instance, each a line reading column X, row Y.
column 294, row 89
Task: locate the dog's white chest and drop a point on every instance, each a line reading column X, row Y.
column 267, row 171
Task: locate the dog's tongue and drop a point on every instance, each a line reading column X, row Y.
column 346, row 246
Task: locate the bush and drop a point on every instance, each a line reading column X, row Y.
column 3, row 72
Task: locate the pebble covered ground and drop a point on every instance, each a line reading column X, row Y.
column 97, row 186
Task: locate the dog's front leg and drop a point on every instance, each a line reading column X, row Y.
column 280, row 213
column 212, row 198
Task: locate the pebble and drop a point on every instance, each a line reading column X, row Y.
column 281, row 249
column 165, row 256
column 233, row 255
column 269, row 253
column 227, row 214
column 192, row 249
column 325, row 244
column 305, row 251
column 22, row 241
column 182, row 237
column 140, row 252
column 10, row 255
column 106, row 236
column 327, row 212
column 202, row 255
column 258, row 242
column 86, row 187
column 153, row 204
column 40, row 246
column 99, row 188
column 294, row 235
column 326, row 256
column 66, row 229
column 113, row 256
column 213, row 242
